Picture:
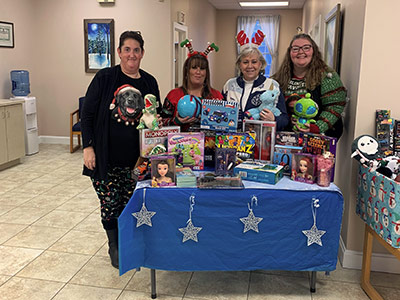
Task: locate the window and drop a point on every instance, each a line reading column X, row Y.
column 264, row 50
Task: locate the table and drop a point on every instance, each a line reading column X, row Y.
column 369, row 235
column 286, row 209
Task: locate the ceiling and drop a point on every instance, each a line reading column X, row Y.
column 234, row 4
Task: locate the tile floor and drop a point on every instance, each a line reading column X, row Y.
column 52, row 246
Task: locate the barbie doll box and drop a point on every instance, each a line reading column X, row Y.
column 191, row 146
column 259, row 171
column 378, row 204
column 304, row 167
column 265, row 137
column 219, row 115
column 153, row 142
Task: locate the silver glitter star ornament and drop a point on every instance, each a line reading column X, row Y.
column 314, row 235
column 190, row 232
column 144, row 216
column 251, row 221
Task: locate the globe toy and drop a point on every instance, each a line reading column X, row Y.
column 189, row 106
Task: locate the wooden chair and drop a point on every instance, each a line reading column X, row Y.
column 75, row 127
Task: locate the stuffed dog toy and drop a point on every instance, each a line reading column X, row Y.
column 127, row 104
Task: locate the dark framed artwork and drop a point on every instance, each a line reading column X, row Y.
column 6, row 34
column 99, row 44
column 332, row 38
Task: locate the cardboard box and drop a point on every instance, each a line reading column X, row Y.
column 283, row 157
column 191, row 145
column 243, row 142
column 219, row 115
column 304, row 167
column 259, row 171
column 378, row 204
column 149, row 139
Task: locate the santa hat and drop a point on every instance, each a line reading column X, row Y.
column 243, row 40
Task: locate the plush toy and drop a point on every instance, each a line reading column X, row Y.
column 305, row 110
column 269, row 99
column 367, row 150
column 149, row 113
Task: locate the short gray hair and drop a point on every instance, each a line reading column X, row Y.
column 249, row 51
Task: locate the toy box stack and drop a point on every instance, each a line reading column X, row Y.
column 191, row 145
column 155, row 141
column 378, row 204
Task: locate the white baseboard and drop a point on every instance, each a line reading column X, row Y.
column 64, row 140
column 380, row 262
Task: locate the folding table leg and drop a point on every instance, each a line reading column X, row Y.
column 153, row 283
column 313, row 281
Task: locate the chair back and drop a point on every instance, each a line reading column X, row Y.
column 81, row 99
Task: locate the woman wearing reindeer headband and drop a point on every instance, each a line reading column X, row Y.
column 196, row 82
column 247, row 88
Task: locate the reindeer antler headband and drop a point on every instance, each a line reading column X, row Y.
column 188, row 43
column 243, row 40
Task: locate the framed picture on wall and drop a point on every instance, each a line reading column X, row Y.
column 315, row 31
column 6, row 34
column 99, row 44
column 332, row 38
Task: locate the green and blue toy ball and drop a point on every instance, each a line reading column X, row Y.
column 189, row 106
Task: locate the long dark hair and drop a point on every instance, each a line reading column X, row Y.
column 315, row 69
column 196, row 61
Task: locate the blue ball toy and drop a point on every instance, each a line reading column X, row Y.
column 189, row 106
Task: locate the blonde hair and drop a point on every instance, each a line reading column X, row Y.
column 247, row 52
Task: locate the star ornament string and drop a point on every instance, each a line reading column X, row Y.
column 190, row 231
column 251, row 221
column 314, row 235
column 144, row 216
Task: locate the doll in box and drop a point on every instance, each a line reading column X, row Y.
column 303, row 168
column 162, row 172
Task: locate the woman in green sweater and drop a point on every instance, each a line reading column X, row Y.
column 304, row 71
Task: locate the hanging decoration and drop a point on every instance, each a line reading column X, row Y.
column 144, row 216
column 251, row 221
column 314, row 235
column 190, row 231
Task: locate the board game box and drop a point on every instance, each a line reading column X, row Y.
column 243, row 142
column 154, row 142
column 191, row 145
column 219, row 115
column 259, row 171
column 288, row 138
column 264, row 139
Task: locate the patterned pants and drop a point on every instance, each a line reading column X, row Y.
column 114, row 193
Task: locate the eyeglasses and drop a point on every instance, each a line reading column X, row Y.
column 305, row 48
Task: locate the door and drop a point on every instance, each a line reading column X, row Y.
column 179, row 54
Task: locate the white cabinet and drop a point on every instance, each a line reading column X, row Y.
column 12, row 128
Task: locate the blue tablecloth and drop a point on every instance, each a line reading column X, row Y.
column 279, row 245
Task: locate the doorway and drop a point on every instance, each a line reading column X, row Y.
column 179, row 54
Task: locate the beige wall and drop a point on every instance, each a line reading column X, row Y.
column 226, row 32
column 367, row 25
column 50, row 44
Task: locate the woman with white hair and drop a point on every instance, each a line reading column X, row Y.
column 247, row 88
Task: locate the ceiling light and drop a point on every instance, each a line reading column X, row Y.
column 280, row 3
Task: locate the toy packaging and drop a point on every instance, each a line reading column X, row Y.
column 304, row 167
column 212, row 181
column 225, row 160
column 288, row 138
column 259, row 171
column 163, row 171
column 264, row 139
column 185, row 177
column 219, row 115
column 154, row 142
column 283, row 157
column 243, row 143
column 191, row 145
column 325, row 166
column 396, row 137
